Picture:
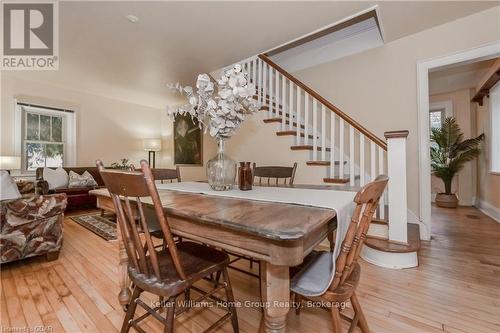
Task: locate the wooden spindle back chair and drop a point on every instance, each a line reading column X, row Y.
column 274, row 174
column 347, row 270
column 168, row 272
column 166, row 174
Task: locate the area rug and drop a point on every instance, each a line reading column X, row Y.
column 102, row 226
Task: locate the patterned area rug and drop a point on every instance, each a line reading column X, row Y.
column 103, row 227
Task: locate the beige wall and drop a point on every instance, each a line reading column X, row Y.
column 464, row 184
column 107, row 129
column 488, row 183
column 379, row 87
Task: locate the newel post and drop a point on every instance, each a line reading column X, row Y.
column 396, row 169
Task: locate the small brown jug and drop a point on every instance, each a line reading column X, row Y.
column 245, row 176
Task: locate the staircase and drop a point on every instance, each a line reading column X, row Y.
column 345, row 152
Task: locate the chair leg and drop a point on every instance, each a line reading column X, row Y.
column 230, row 300
column 362, row 323
column 187, row 298
column 132, row 305
column 169, row 327
column 298, row 303
column 335, row 319
column 161, row 300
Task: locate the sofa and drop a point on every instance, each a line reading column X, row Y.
column 78, row 197
column 31, row 226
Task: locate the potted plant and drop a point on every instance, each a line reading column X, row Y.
column 449, row 153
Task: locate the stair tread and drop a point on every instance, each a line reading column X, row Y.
column 307, row 147
column 337, row 180
column 322, row 163
column 386, row 245
column 293, row 133
column 279, row 120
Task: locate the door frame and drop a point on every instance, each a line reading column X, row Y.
column 483, row 52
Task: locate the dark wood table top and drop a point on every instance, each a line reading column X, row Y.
column 277, row 221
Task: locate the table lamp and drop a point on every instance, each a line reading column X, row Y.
column 10, row 163
column 151, row 146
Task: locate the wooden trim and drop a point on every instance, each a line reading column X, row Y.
column 396, row 134
column 485, row 88
column 326, row 103
column 326, row 31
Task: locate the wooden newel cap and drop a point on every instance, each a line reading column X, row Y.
column 396, row 134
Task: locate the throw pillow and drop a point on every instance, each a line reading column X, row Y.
column 55, row 178
column 83, row 180
column 8, row 187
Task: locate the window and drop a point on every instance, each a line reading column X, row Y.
column 45, row 137
column 436, row 118
column 495, row 128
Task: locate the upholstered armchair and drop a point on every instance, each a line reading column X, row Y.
column 32, row 226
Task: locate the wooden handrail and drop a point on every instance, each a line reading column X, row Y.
column 381, row 143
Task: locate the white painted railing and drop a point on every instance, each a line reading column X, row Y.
column 353, row 154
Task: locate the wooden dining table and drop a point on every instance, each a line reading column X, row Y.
column 280, row 235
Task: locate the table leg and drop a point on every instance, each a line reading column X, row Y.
column 123, row 282
column 276, row 297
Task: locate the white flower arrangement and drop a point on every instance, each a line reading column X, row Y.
column 223, row 112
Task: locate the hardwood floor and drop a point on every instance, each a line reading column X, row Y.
column 456, row 288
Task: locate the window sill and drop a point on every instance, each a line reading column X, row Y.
column 495, row 173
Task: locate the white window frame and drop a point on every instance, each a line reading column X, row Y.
column 69, row 132
column 494, row 109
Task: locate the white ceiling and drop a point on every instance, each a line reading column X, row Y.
column 457, row 77
column 101, row 52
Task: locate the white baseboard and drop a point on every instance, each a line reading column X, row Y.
column 488, row 209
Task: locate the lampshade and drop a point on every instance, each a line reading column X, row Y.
column 10, row 162
column 151, row 144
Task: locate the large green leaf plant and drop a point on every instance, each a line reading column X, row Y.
column 451, row 151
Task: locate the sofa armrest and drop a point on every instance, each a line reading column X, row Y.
column 25, row 210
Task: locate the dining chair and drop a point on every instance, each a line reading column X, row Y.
column 317, row 265
column 274, row 173
column 168, row 272
column 166, row 174
column 267, row 176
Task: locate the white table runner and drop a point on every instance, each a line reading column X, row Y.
column 312, row 283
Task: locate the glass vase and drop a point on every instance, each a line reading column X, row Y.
column 221, row 170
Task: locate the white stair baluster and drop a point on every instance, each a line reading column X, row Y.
column 260, row 66
column 264, row 83
column 361, row 159
column 277, row 94
column 298, row 121
column 290, row 106
column 254, row 71
column 271, row 92
column 332, row 145
column 372, row 161
column 381, row 203
column 341, row 148
column 315, row 129
column 351, row 156
column 306, row 118
column 323, row 134
column 283, row 102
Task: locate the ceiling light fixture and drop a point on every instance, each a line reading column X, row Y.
column 132, row 18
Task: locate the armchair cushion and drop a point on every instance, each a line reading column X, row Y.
column 31, row 226
column 8, row 187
